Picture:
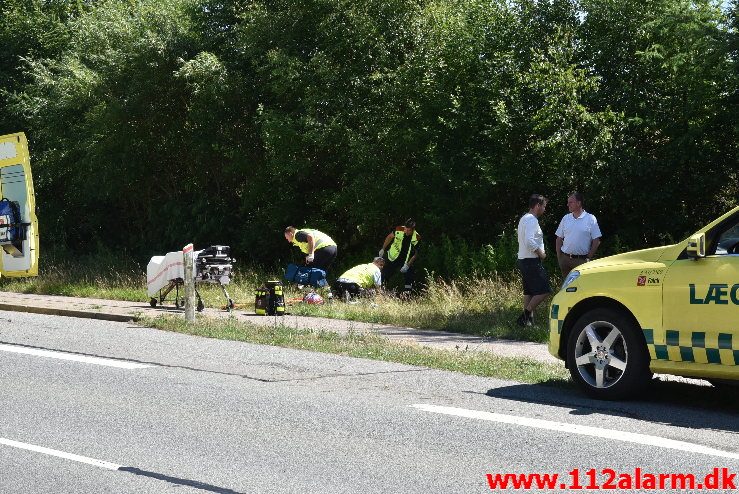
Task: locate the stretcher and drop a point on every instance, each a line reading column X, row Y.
column 213, row 265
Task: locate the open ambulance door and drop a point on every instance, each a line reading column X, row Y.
column 18, row 222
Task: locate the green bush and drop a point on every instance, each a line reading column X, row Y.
column 156, row 123
column 456, row 258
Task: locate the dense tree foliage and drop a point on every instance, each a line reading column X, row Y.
column 30, row 29
column 158, row 122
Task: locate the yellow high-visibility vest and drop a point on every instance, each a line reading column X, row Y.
column 394, row 250
column 320, row 240
column 363, row 275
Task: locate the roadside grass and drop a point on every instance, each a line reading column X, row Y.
column 476, row 305
column 369, row 346
column 87, row 277
column 483, row 306
column 474, row 363
column 114, row 278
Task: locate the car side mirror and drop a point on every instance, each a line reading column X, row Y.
column 697, row 246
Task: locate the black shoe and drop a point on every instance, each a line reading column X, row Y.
column 522, row 319
column 529, row 318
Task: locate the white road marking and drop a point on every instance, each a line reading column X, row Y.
column 629, row 437
column 60, row 454
column 71, row 356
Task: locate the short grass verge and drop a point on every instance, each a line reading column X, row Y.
column 483, row 364
column 370, row 346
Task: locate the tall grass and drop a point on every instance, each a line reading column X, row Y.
column 112, row 276
column 103, row 275
column 484, row 305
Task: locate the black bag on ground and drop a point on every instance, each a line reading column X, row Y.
column 270, row 300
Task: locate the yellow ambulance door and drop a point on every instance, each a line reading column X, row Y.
column 701, row 302
column 18, row 223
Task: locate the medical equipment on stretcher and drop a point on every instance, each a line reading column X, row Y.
column 213, row 265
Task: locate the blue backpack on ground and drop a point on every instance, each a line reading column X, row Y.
column 305, row 275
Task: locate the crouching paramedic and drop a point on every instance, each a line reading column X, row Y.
column 319, row 248
column 401, row 249
column 361, row 279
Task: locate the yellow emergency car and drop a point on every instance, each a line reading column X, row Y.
column 670, row 310
column 18, row 223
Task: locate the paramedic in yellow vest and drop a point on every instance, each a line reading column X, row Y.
column 319, row 248
column 361, row 279
column 401, row 249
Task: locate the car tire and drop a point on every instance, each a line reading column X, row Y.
column 607, row 356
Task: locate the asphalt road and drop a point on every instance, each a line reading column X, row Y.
column 146, row 411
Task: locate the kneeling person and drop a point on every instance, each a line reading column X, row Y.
column 360, row 279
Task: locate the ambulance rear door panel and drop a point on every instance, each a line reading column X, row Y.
column 18, row 253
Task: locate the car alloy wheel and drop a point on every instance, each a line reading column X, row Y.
column 601, row 354
column 607, row 354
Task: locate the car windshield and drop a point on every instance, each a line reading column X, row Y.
column 728, row 242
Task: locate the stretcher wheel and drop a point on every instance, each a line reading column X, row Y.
column 153, row 302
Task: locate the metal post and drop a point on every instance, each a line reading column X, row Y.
column 187, row 253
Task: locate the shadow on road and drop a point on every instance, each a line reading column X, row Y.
column 176, row 481
column 668, row 402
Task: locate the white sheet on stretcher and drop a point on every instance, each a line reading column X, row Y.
column 163, row 269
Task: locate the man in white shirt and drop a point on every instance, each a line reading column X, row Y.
column 530, row 254
column 578, row 235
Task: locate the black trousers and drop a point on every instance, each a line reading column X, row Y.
column 393, row 267
column 354, row 289
column 323, row 257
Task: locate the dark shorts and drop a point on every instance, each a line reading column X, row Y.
column 534, row 277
